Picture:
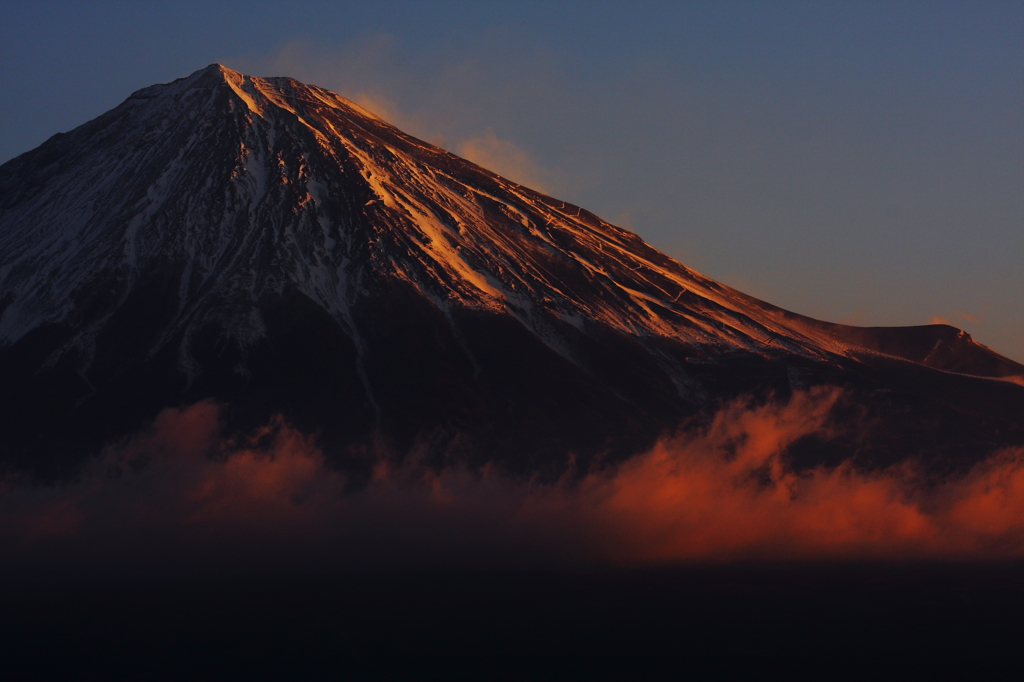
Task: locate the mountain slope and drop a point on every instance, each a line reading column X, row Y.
column 274, row 246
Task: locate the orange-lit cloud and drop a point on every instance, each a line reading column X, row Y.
column 179, row 496
column 505, row 158
column 446, row 110
column 686, row 500
column 970, row 318
column 856, row 318
column 938, row 319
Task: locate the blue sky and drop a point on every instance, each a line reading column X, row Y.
column 859, row 162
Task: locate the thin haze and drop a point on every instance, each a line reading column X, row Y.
column 854, row 162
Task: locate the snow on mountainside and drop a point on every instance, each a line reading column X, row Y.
column 265, row 206
column 182, row 237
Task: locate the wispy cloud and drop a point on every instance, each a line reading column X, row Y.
column 505, row 158
column 454, row 107
column 970, row 318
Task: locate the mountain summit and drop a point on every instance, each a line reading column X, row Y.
column 275, row 247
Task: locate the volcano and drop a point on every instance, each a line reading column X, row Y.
column 274, row 247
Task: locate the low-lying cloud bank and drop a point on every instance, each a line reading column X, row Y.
column 180, row 499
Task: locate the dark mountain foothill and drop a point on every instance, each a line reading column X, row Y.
column 273, row 246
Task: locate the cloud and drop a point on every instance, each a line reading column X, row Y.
column 455, row 105
column 967, row 317
column 505, row 158
column 856, row 318
column 180, row 498
column 689, row 499
column 970, row 318
column 367, row 71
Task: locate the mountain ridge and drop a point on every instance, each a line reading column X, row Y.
column 181, row 239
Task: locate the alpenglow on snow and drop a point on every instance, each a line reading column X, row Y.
column 277, row 248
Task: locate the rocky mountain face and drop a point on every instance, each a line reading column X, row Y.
column 273, row 246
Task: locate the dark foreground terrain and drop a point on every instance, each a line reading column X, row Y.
column 822, row 622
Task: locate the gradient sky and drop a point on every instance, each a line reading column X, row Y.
column 857, row 162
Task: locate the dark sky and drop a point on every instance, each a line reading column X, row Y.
column 859, row 162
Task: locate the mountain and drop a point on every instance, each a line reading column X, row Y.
column 279, row 249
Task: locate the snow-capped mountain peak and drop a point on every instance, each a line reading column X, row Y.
column 182, row 228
